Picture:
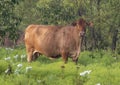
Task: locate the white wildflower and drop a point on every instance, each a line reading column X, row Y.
column 28, row 68
column 98, row 84
column 17, row 71
column 85, row 72
column 23, row 56
column 9, row 49
column 6, row 71
column 16, row 56
column 19, row 65
column 38, row 81
column 8, row 58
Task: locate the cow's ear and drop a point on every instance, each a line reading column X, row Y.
column 90, row 24
column 74, row 24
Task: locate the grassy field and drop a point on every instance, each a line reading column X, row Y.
column 94, row 68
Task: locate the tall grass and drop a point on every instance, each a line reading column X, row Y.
column 104, row 69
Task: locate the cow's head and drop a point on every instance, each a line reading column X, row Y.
column 81, row 24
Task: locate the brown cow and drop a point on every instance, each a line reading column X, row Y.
column 54, row 41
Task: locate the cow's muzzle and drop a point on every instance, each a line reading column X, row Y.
column 82, row 33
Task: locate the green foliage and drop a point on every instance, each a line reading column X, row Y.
column 3, row 66
column 8, row 20
column 27, row 12
column 56, row 11
column 105, row 16
column 103, row 65
column 102, row 56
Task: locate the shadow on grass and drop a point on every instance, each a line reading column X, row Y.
column 45, row 60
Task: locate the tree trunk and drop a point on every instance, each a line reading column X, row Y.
column 114, row 40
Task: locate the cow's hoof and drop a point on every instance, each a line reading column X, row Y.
column 62, row 66
column 77, row 66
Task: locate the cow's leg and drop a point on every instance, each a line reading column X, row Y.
column 75, row 59
column 35, row 55
column 65, row 57
column 29, row 56
column 29, row 53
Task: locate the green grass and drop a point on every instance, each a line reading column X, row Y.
column 104, row 66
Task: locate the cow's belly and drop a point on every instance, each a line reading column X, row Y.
column 47, row 51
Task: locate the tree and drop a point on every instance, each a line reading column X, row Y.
column 105, row 17
column 28, row 13
column 8, row 20
column 58, row 12
column 103, row 13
